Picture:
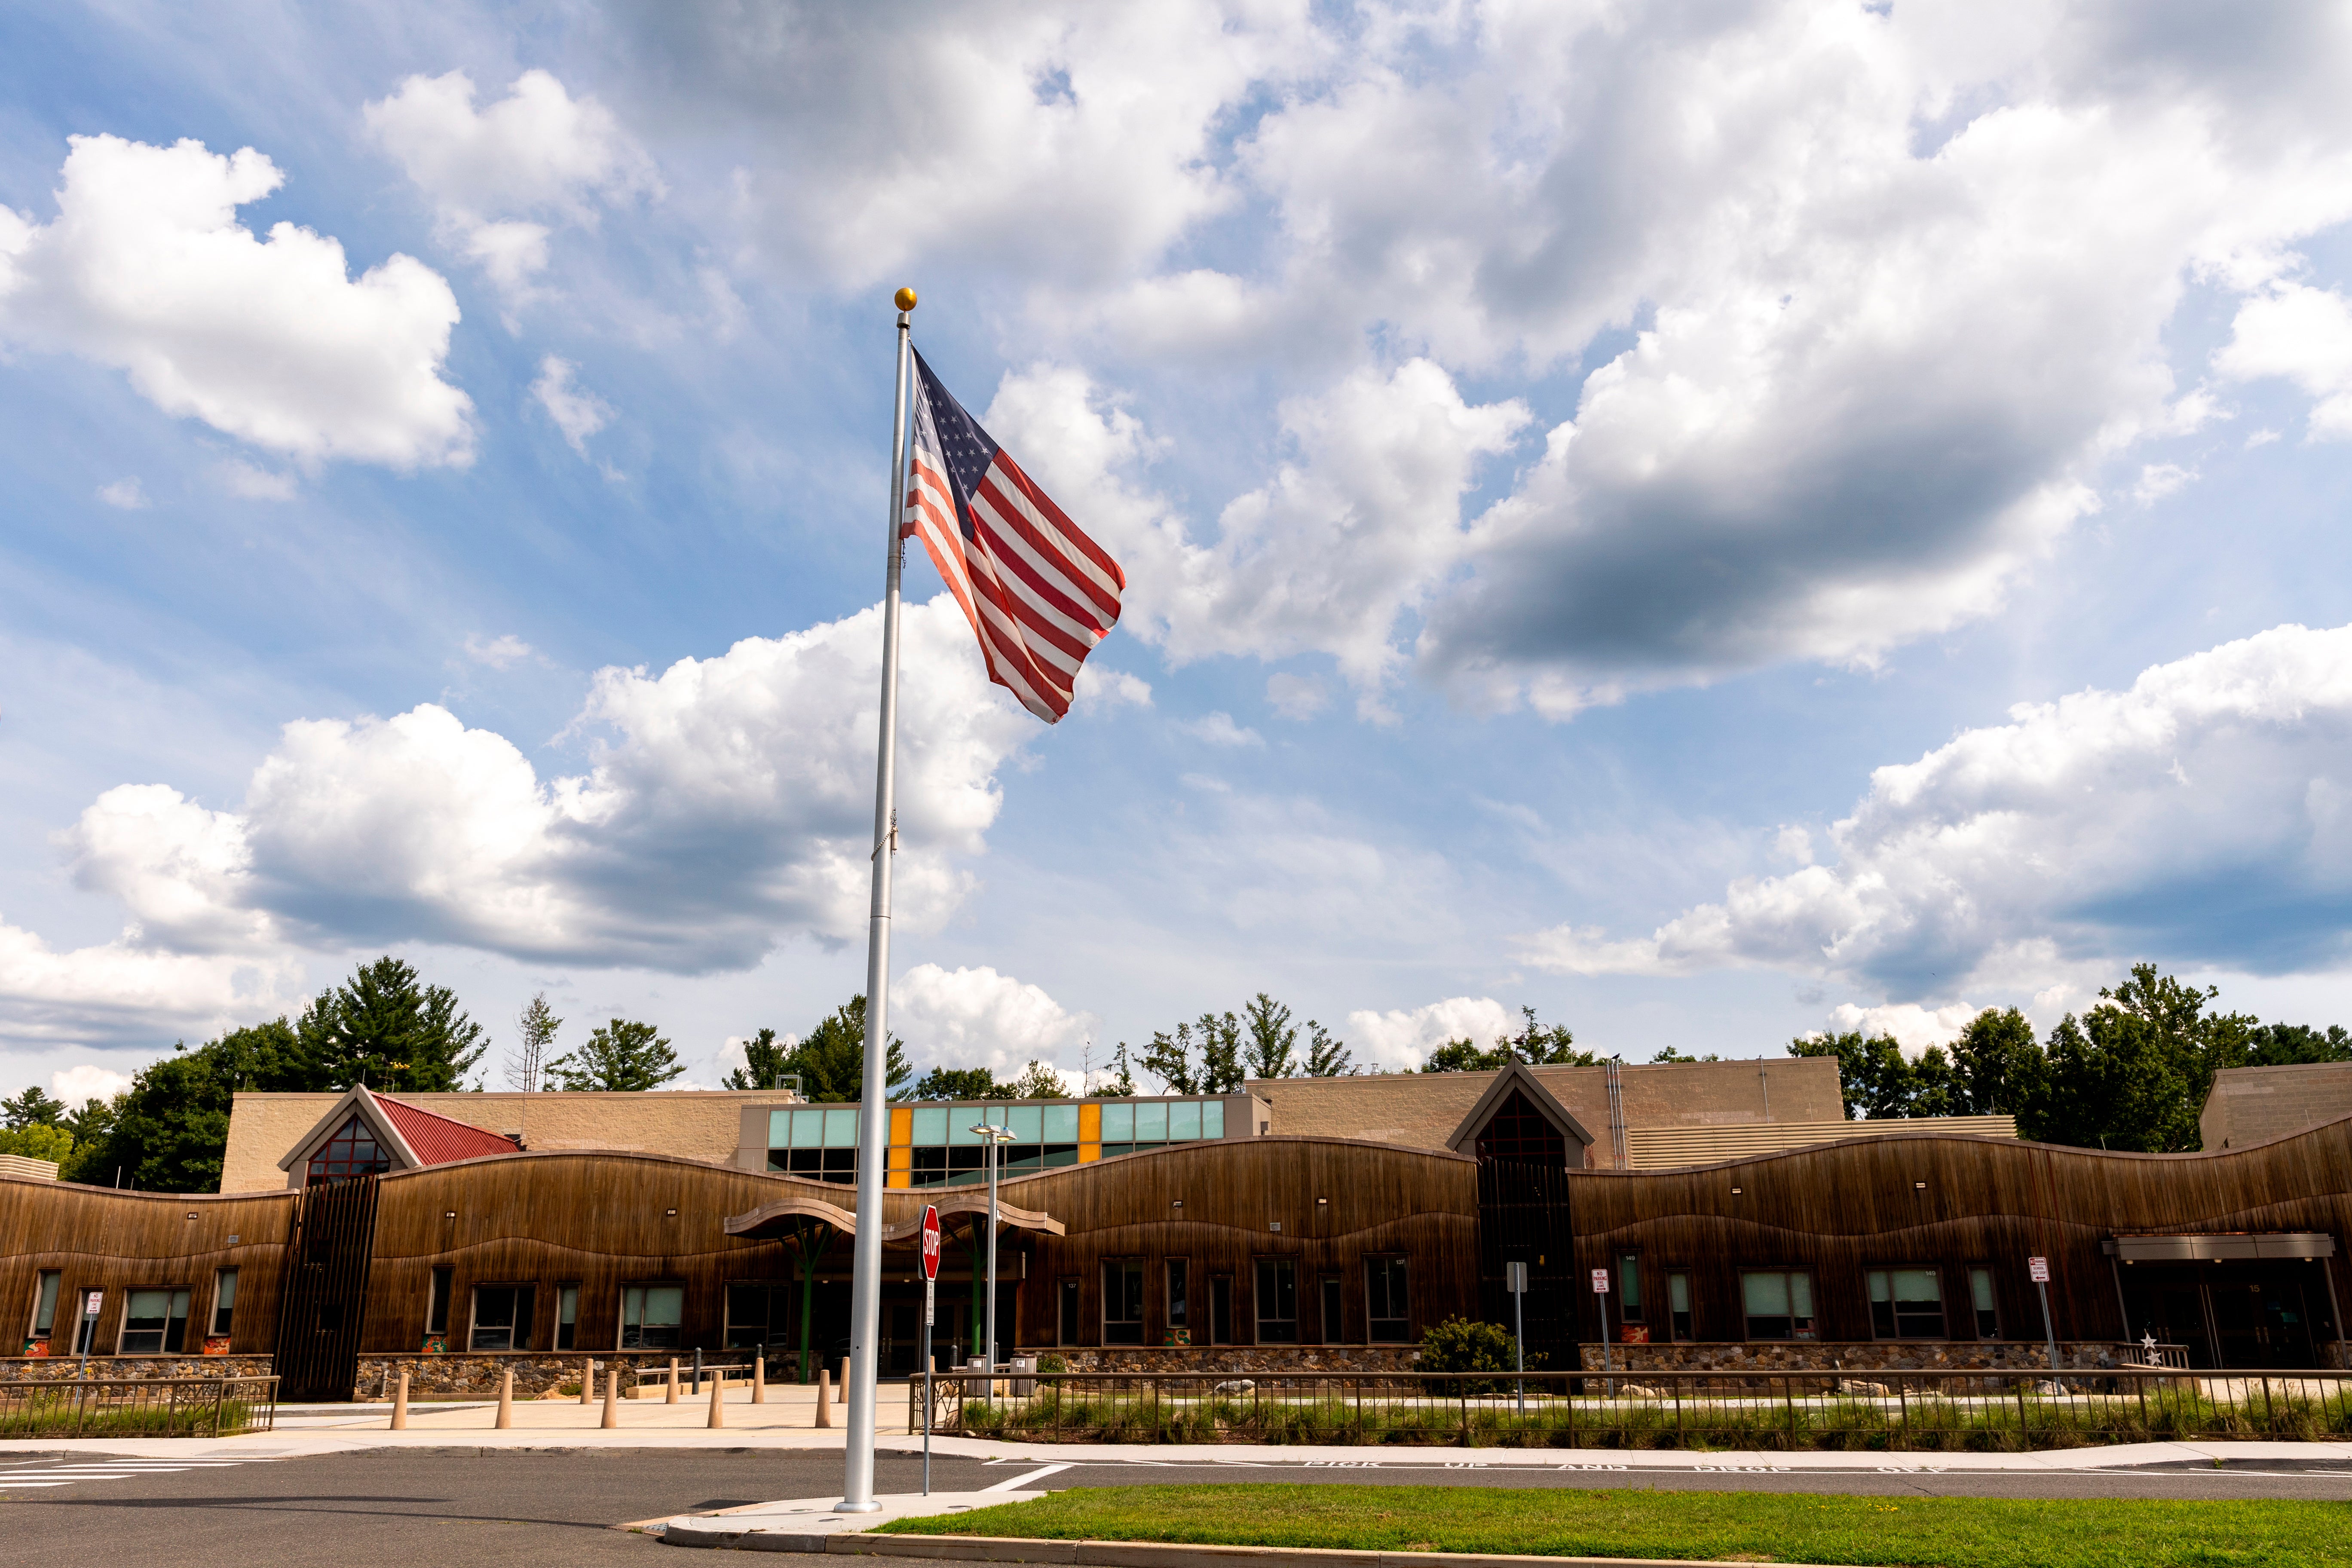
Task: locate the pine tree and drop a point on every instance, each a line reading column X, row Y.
column 1218, row 1038
column 765, row 1062
column 381, row 1029
column 1326, row 1056
column 831, row 1060
column 620, row 1057
column 34, row 1108
column 535, row 1028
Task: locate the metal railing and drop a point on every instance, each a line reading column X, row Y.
column 691, row 1378
column 1880, row 1411
column 139, row 1407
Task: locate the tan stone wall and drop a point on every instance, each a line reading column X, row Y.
column 1240, row 1360
column 66, row 1368
column 2254, row 1105
column 697, row 1124
column 1422, row 1109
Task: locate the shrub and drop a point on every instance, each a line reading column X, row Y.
column 1459, row 1344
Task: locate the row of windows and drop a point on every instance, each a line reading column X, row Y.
column 1274, row 1304
column 1905, row 1303
column 154, row 1317
column 932, row 1144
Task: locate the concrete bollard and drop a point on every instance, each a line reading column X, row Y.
column 400, row 1405
column 759, row 1380
column 669, row 1393
column 841, row 1389
column 718, row 1392
column 506, row 1400
column 612, row 1393
column 824, row 1397
column 588, row 1383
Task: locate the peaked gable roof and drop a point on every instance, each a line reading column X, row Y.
column 411, row 1134
column 1515, row 1075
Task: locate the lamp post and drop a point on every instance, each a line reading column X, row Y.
column 994, row 1137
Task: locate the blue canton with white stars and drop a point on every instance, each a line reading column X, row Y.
column 964, row 447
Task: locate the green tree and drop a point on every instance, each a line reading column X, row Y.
column 385, row 1030
column 31, row 1109
column 168, row 1131
column 621, row 1058
column 955, row 1083
column 763, row 1062
column 1535, row 1044
column 1326, row 1056
column 2289, row 1045
column 831, row 1059
column 1667, row 1055
column 1872, row 1073
column 1216, row 1068
column 535, row 1028
column 1037, row 1082
column 1998, row 1063
column 37, row 1141
column 1122, row 1084
column 1273, row 1038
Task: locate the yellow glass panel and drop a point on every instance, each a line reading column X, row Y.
column 900, row 1159
column 902, row 1125
column 1090, row 1126
column 898, row 1179
column 1088, row 1152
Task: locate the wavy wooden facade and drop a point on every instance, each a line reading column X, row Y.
column 605, row 1221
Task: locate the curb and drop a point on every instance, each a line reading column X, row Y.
column 1151, row 1554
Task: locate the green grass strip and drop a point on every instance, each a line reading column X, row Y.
column 1802, row 1527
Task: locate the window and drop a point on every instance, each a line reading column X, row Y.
column 1778, row 1304
column 1518, row 1130
column 45, row 1304
column 1333, row 1316
column 1628, row 1293
column 155, row 1324
column 1179, row 1280
column 1123, row 1303
column 567, row 1317
column 436, row 1306
column 1067, row 1293
column 749, row 1311
column 224, row 1300
column 1981, row 1298
column 352, row 1152
column 650, row 1315
column 1678, row 1306
column 502, row 1315
column 1906, row 1304
column 1385, row 1302
column 1221, row 1309
column 1277, row 1301
column 86, row 1328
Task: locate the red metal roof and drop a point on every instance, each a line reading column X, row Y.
column 437, row 1139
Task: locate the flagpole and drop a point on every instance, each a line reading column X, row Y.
column 873, row 1108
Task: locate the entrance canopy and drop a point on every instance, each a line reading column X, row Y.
column 770, row 1221
column 2225, row 1246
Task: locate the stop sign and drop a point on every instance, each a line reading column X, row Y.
column 931, row 1242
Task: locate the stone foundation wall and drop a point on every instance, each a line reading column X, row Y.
column 1966, row 1355
column 64, row 1369
column 1243, row 1360
column 538, row 1374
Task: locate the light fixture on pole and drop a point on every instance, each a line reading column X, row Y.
column 994, row 1137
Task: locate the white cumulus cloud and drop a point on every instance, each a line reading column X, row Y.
column 271, row 340
column 977, row 1017
column 498, row 176
column 2204, row 814
column 2302, row 335
column 577, row 412
column 1402, row 1040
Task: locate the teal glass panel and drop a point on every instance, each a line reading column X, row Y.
column 1024, row 1121
column 962, row 1120
column 930, row 1126
column 1184, row 1119
column 1151, row 1121
column 1118, row 1123
column 1212, row 1119
column 808, row 1128
column 780, row 1130
column 841, row 1129
column 1061, row 1125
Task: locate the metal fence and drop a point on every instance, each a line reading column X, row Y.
column 139, row 1407
column 1882, row 1411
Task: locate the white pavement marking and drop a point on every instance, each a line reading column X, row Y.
column 1021, row 1483
column 125, row 1470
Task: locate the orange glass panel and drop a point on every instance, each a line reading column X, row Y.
column 902, row 1125
column 1090, row 1125
column 1089, row 1153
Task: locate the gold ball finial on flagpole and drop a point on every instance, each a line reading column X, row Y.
column 905, row 299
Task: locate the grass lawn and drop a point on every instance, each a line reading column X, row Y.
column 1950, row 1532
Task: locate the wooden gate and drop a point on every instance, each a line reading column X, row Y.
column 323, row 1306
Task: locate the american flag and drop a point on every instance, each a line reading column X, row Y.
column 1039, row 593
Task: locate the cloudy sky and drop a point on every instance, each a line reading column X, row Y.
column 1712, row 520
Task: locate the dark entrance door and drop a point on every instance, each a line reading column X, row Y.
column 2233, row 1314
column 322, row 1306
column 1522, row 1218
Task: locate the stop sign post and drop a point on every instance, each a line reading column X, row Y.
column 930, row 1252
